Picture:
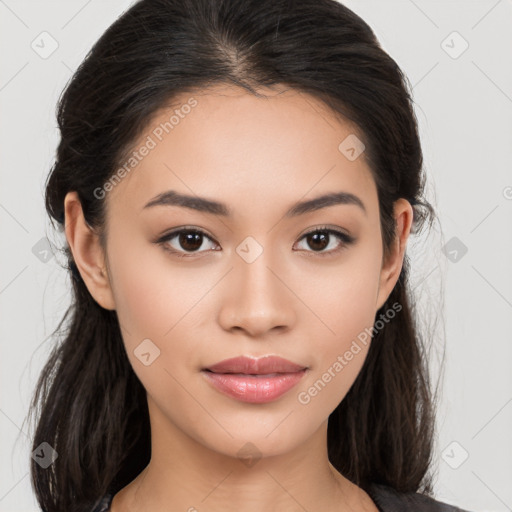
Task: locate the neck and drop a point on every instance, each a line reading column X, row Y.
column 184, row 474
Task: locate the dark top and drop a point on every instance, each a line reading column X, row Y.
column 385, row 498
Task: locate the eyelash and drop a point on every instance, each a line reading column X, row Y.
column 345, row 239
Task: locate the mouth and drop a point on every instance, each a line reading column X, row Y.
column 267, row 365
column 256, row 389
column 249, row 374
column 254, row 380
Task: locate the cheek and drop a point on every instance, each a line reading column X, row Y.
column 344, row 300
column 157, row 301
column 151, row 293
column 343, row 296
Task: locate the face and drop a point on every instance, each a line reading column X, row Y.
column 260, row 278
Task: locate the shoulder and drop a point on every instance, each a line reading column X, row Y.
column 388, row 499
column 104, row 504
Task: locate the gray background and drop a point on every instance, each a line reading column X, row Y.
column 461, row 272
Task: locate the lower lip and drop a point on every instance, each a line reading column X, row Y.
column 256, row 389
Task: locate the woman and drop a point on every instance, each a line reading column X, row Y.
column 238, row 181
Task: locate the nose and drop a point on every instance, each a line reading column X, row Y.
column 257, row 299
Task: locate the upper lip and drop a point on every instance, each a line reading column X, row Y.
column 261, row 366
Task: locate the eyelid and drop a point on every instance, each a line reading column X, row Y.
column 344, row 237
column 162, row 240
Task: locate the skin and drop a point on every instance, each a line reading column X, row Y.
column 258, row 156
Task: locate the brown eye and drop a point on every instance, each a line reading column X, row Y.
column 318, row 240
column 190, row 241
column 321, row 238
column 187, row 241
column 184, row 241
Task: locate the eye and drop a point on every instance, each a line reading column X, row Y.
column 321, row 238
column 187, row 239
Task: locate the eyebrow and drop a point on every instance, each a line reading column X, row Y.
column 201, row 204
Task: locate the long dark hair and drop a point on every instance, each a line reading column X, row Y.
column 91, row 407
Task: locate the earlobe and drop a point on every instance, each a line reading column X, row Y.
column 391, row 268
column 87, row 252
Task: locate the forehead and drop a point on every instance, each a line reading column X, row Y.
column 228, row 144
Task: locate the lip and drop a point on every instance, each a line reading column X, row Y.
column 251, row 366
column 254, row 380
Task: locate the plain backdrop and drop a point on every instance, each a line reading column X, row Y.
column 457, row 56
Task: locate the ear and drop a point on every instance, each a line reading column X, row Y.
column 87, row 252
column 392, row 265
